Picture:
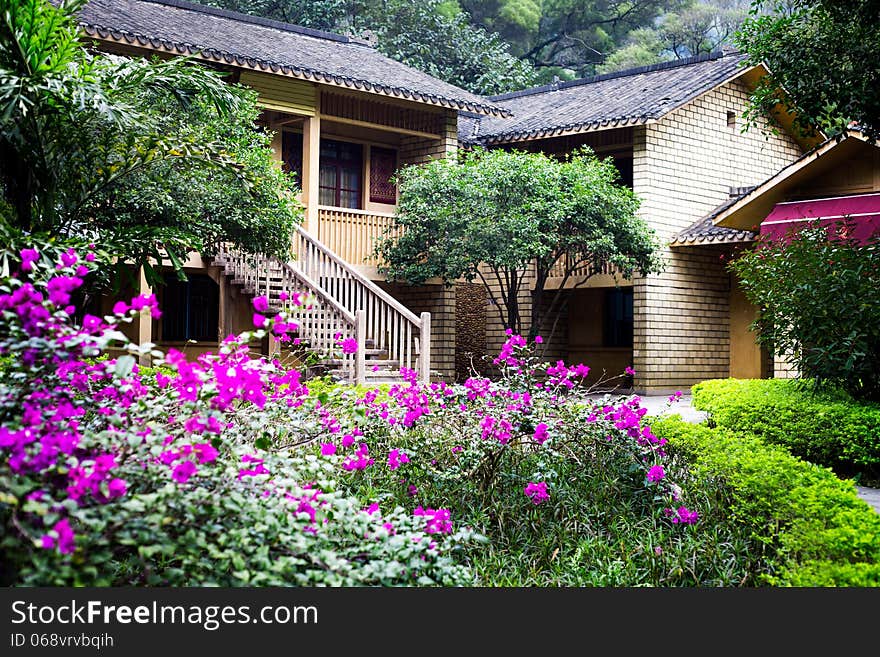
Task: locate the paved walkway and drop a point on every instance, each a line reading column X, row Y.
column 683, row 407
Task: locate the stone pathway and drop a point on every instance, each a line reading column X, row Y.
column 683, row 407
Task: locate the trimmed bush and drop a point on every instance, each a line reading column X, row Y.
column 814, row 528
column 827, row 428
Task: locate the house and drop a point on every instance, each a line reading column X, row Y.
column 839, row 178
column 345, row 117
column 676, row 133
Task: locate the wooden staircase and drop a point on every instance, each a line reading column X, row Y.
column 340, row 300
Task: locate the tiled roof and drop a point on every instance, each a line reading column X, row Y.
column 631, row 97
column 241, row 40
column 705, row 231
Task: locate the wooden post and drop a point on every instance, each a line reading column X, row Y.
column 425, row 348
column 360, row 362
column 310, row 174
column 145, row 321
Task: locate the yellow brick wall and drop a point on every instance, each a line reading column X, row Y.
column 438, row 300
column 416, row 150
column 684, row 166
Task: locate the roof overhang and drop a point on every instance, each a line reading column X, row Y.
column 753, row 207
column 859, row 212
column 162, row 46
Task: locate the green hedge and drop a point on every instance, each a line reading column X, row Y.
column 815, row 529
column 827, row 428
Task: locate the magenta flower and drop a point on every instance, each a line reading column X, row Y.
column 205, row 452
column 349, row 346
column 328, row 449
column 655, row 474
column 28, row 257
column 537, row 492
column 682, row 515
column 541, row 434
column 65, row 540
column 539, row 339
column 261, row 304
column 396, row 458
column 117, row 487
column 629, row 371
column 259, row 320
column 183, row 471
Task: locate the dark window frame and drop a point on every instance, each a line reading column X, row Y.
column 190, row 309
column 340, row 164
column 618, row 318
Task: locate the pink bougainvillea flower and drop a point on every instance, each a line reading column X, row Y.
column 261, row 304
column 541, row 434
column 396, row 458
column 117, row 487
column 259, row 320
column 539, row 339
column 28, row 257
column 327, row 449
column 537, row 492
column 183, row 471
column 629, row 371
column 349, row 346
column 655, row 474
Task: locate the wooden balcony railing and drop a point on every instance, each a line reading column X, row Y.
column 351, row 234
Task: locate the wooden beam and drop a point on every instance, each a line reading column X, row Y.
column 386, row 128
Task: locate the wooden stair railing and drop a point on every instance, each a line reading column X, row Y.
column 343, row 301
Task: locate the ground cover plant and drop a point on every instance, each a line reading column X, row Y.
column 826, row 427
column 809, row 526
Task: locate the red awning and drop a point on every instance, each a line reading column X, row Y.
column 861, row 211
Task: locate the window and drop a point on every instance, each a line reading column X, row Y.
column 618, row 318
column 292, row 154
column 190, row 309
column 383, row 162
column 341, row 171
column 731, row 120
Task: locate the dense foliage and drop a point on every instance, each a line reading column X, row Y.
column 186, row 473
column 822, row 55
column 819, row 302
column 828, row 429
column 492, row 214
column 814, row 529
column 503, row 45
column 145, row 158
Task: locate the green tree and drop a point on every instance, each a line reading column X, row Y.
column 819, row 301
column 494, row 215
column 570, row 37
column 434, row 36
column 694, row 28
column 822, row 55
column 149, row 159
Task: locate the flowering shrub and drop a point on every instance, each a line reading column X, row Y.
column 186, row 472
column 549, row 471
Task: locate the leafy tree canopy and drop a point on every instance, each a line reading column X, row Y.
column 494, row 214
column 149, row 159
column 819, row 301
column 434, row 36
column 822, row 55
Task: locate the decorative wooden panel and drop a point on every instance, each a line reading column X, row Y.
column 383, row 163
column 349, row 107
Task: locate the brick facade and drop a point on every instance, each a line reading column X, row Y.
column 438, row 300
column 684, row 166
column 417, row 150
